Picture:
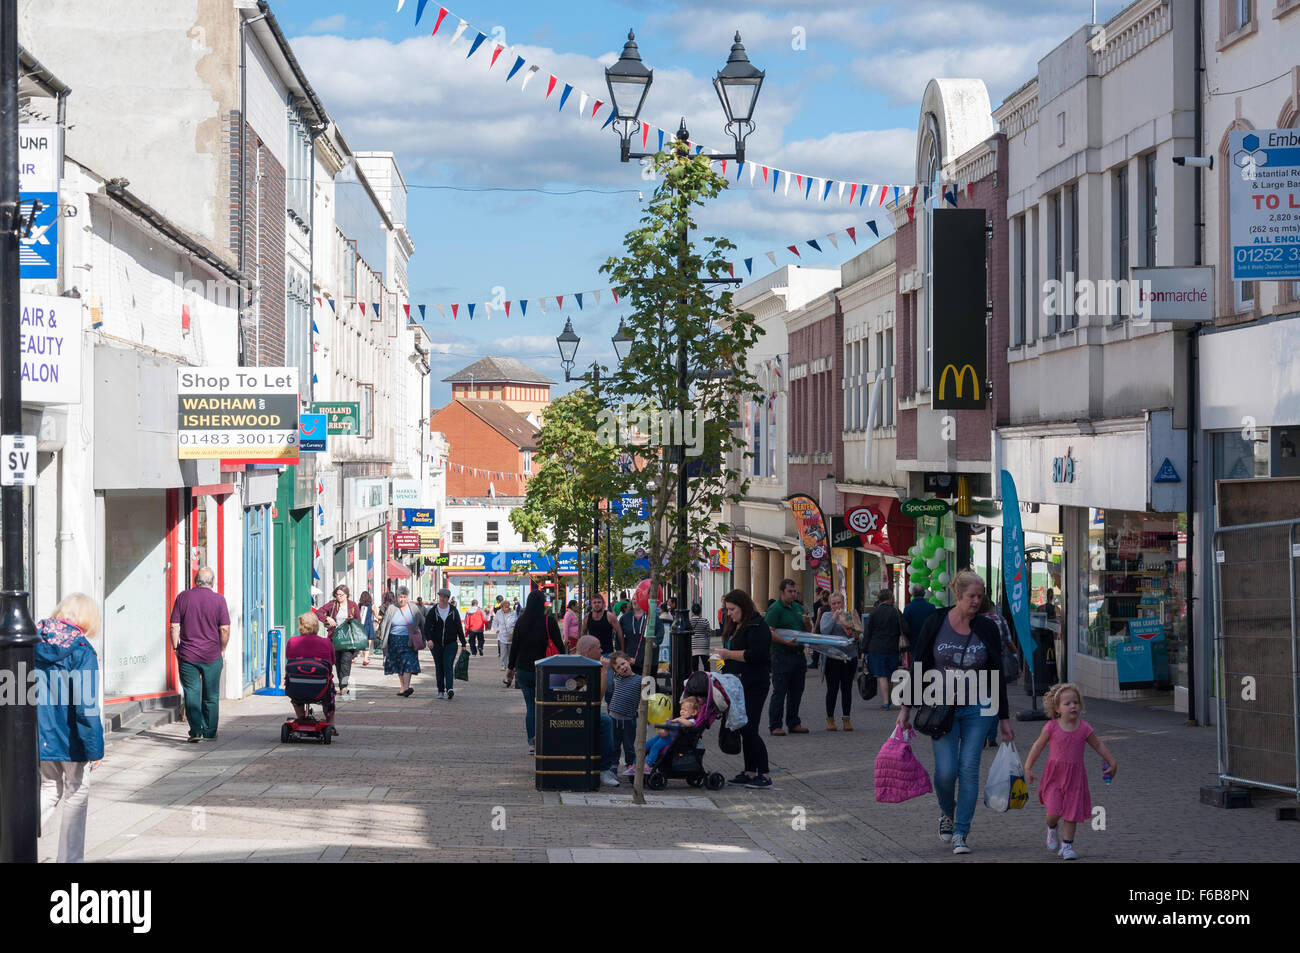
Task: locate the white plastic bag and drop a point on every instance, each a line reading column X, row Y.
column 1000, row 791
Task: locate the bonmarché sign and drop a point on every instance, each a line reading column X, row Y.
column 915, row 507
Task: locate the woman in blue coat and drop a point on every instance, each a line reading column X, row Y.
column 71, row 735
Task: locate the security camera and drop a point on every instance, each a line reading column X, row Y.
column 1196, row 162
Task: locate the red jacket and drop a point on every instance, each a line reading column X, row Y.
column 475, row 621
column 327, row 612
column 310, row 646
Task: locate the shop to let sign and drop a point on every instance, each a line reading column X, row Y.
column 235, row 413
column 1264, row 197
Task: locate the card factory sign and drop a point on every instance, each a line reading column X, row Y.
column 234, row 413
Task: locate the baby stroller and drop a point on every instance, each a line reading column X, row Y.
column 684, row 756
column 308, row 680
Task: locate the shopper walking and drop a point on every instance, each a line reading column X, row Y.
column 918, row 610
column 958, row 639
column 334, row 613
column 839, row 673
column 747, row 646
column 886, row 626
column 402, row 634
column 701, row 636
column 366, row 603
column 572, row 625
column 534, row 629
column 443, row 631
column 70, row 733
column 504, row 621
column 788, row 664
column 475, row 623
column 604, row 625
column 200, row 629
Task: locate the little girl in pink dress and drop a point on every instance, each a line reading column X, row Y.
column 1064, row 787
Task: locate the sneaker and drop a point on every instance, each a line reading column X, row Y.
column 1053, row 841
column 959, row 844
column 761, row 781
column 442, row 695
column 607, row 778
column 945, row 828
column 1067, row 852
column 451, row 693
column 798, row 730
column 777, row 732
column 742, row 779
column 630, row 772
column 193, row 739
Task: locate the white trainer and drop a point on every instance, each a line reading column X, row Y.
column 608, row 779
column 1067, row 852
column 1053, row 841
column 959, row 844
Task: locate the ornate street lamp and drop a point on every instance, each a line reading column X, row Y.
column 628, row 81
column 568, row 343
column 738, row 84
column 622, row 341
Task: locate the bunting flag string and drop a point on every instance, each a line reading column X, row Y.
column 771, row 174
column 581, row 297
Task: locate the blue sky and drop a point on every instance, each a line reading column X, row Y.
column 840, row 100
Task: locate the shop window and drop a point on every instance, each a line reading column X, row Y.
column 493, row 532
column 1136, row 570
column 458, row 532
column 1243, row 454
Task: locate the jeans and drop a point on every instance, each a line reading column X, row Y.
column 839, row 681
column 957, row 765
column 655, row 748
column 625, row 731
column 201, row 682
column 343, row 665
column 527, row 682
column 503, row 649
column 751, row 739
column 788, row 673
column 608, row 746
column 475, row 641
column 69, row 782
column 444, row 663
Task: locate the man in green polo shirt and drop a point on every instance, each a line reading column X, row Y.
column 788, row 665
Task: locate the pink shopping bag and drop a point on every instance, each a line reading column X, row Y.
column 899, row 775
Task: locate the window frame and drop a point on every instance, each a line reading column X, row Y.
column 458, row 531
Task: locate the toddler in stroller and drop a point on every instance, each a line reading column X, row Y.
column 678, row 752
column 308, row 678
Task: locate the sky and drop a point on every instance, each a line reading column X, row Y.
column 485, row 162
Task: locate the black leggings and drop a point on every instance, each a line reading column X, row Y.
column 751, row 738
column 839, row 681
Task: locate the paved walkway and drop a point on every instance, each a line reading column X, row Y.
column 427, row 780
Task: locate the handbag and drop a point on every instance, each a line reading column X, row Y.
column 867, row 684
column 462, row 666
column 728, row 740
column 934, row 720
column 416, row 633
column 349, row 635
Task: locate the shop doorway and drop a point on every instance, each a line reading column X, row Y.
column 135, row 594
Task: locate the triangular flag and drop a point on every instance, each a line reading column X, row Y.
column 731, row 267
column 541, row 303
column 421, row 307
column 645, row 134
column 550, row 87
column 874, row 230
column 954, row 192
column 596, row 296
column 582, row 102
column 362, row 306
column 862, row 195
column 749, row 265
column 883, row 190
column 911, row 215
column 460, row 29
column 740, row 167
column 833, row 240
column 614, row 292
column 661, row 141
column 314, row 329
column 596, row 108
column 813, row 243
column 519, row 61
column 841, row 195
column 455, row 310
column 699, row 149
column 752, row 170
column 441, row 310
column 333, row 307
column 442, row 12
column 771, row 255
column 507, row 309
column 799, row 180
column 470, row 307
column 828, row 189
column 578, row 295
column 807, row 187
column 724, row 168
column 559, row 302
column 400, row 4
column 765, row 175
column 523, row 307
column 564, row 96
column 926, row 196
column 185, row 318
column 970, row 190
column 853, row 193
column 608, row 119
column 407, row 309
column 795, row 250
column 419, row 10
column 495, row 53
column 473, row 47
column 375, row 308
column 776, row 175
column 853, row 234
column 318, row 302
column 532, row 71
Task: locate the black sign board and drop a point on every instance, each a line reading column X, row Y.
column 960, row 290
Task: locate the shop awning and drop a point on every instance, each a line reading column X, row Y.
column 397, row 571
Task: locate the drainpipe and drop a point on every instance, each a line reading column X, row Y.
column 1193, row 392
column 243, row 135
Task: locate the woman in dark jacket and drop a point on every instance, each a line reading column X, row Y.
column 534, row 628
column 748, row 655
column 959, row 640
column 885, row 626
column 70, row 732
column 338, row 610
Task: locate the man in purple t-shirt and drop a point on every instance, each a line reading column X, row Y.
column 200, row 630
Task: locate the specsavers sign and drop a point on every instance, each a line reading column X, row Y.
column 237, row 413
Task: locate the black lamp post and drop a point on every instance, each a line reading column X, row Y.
column 737, row 84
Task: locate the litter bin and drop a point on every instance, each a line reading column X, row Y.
column 568, row 724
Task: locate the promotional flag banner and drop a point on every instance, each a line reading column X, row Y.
column 811, row 527
column 1015, row 572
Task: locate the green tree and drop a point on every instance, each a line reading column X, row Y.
column 683, row 328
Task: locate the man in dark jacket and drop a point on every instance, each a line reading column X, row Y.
column 918, row 610
column 884, row 627
column 443, row 632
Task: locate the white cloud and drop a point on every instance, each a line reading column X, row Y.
column 331, row 24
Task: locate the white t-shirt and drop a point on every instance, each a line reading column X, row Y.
column 443, row 612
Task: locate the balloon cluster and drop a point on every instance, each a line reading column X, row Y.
column 930, row 566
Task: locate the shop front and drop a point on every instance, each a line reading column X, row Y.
column 874, row 536
column 483, row 576
column 1113, row 578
